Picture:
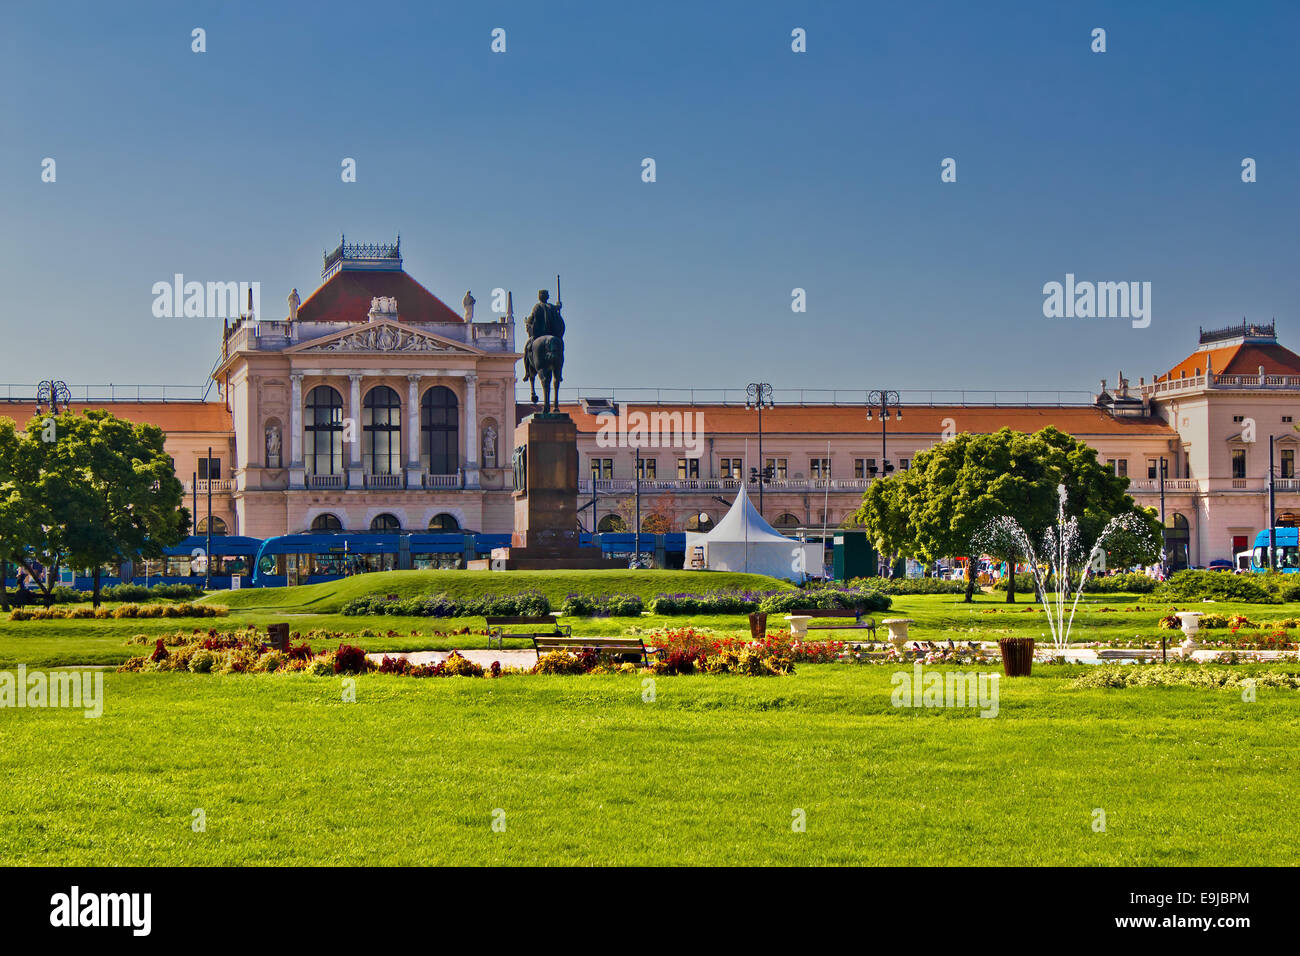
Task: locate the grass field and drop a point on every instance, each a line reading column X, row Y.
column 585, row 771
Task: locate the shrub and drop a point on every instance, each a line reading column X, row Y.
column 270, row 662
column 350, row 660
column 613, row 605
column 850, row 599
column 322, row 666
column 138, row 592
column 559, row 662
column 457, row 666
column 1216, row 585
column 531, row 603
column 202, row 661
column 909, row 585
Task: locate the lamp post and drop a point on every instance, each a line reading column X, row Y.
column 884, row 399
column 54, row 393
column 1272, row 511
column 1164, row 532
column 758, row 395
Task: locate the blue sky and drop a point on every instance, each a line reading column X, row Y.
column 775, row 170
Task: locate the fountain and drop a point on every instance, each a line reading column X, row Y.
column 1061, row 546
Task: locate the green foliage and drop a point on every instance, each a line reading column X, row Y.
column 522, row 604
column 909, row 585
column 1127, row 583
column 1215, row 585
column 615, row 605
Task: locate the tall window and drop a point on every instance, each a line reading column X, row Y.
column 819, row 467
column 1288, row 462
column 385, row 522
column 602, row 468
column 381, row 432
column 777, row 468
column 444, row 522
column 1118, row 465
column 209, row 468
column 440, row 431
column 1239, row 463
column 326, row 522
column 688, row 468
column 218, row 526
column 646, row 468
column 611, row 524
column 732, row 468
column 323, row 454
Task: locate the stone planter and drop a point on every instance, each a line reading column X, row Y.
column 1191, row 624
column 897, row 631
column 798, row 625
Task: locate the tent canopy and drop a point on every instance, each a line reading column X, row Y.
column 744, row 541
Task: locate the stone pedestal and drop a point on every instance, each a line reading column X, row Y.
column 546, row 501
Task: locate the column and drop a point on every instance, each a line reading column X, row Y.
column 414, row 473
column 355, row 479
column 296, row 470
column 471, row 430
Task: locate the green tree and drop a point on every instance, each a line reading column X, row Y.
column 953, row 491
column 130, row 503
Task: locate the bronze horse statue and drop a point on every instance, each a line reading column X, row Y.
column 544, row 353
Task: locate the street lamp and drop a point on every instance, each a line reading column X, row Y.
column 758, row 395
column 54, row 393
column 884, row 399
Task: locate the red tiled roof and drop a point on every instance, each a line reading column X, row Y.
column 171, row 417
column 346, row 298
column 1239, row 359
column 917, row 419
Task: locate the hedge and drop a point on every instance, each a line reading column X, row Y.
column 523, row 604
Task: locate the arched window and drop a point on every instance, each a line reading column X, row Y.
column 699, row 522
column 444, row 522
column 656, row 524
column 786, row 520
column 323, row 454
column 611, row 523
column 326, row 522
column 385, row 522
column 218, row 526
column 440, row 431
column 381, row 432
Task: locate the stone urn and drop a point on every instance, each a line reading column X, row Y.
column 1190, row 622
column 897, row 631
column 799, row 625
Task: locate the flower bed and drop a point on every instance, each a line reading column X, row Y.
column 523, row 604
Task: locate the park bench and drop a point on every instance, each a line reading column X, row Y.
column 859, row 623
column 278, row 636
column 604, row 646
column 495, row 625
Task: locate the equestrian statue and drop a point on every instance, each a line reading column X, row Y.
column 544, row 353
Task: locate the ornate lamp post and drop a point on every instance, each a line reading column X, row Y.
column 884, row 399
column 758, row 395
column 53, row 393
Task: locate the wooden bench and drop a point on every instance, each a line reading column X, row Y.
column 859, row 623
column 604, row 646
column 495, row 624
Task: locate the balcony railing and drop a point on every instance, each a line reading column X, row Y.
column 713, row 485
column 384, row 482
column 327, row 482
column 443, row 481
column 219, row 485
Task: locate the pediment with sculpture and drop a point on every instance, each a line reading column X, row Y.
column 385, row 337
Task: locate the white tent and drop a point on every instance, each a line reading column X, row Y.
column 743, row 541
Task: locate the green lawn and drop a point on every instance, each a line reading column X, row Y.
column 586, row 772
column 938, row 617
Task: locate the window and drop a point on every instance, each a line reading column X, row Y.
column 699, row 522
column 1118, row 465
column 1154, row 465
column 323, row 454
column 646, row 468
column 209, row 469
column 904, row 463
column 610, row 524
column 1238, row 419
column 864, row 467
column 819, row 467
column 1286, row 419
column 732, row 468
column 381, row 432
column 440, row 431
column 1288, row 462
column 326, row 522
column 602, row 468
column 1239, row 463
column 444, row 522
column 385, row 522
column 218, row 526
column 786, row 521
column 688, row 468
column 777, row 468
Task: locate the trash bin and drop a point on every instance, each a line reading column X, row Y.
column 279, row 636
column 758, row 625
column 1017, row 655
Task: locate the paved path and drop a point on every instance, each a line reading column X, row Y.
column 524, row 657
